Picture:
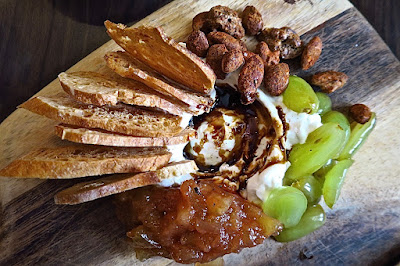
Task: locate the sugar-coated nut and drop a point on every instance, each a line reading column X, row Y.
column 199, row 21
column 329, row 81
column 232, row 60
column 252, row 20
column 269, row 58
column 197, row 43
column 311, row 53
column 214, row 59
column 286, row 40
column 360, row 113
column 250, row 78
column 222, row 18
column 230, row 42
column 276, row 79
column 247, row 55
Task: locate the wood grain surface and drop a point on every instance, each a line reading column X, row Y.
column 364, row 227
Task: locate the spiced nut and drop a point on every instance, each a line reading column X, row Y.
column 232, row 60
column 311, row 53
column 269, row 58
column 214, row 59
column 329, row 81
column 197, row 43
column 360, row 113
column 252, row 20
column 276, row 79
column 250, row 77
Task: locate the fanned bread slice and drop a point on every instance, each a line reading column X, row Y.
column 120, row 118
column 99, row 89
column 81, row 161
column 101, row 137
column 106, row 186
column 127, row 66
column 152, row 47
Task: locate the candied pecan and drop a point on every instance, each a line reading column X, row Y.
column 360, row 113
column 283, row 39
column 199, row 21
column 250, row 78
column 214, row 59
column 232, row 60
column 197, row 43
column 222, row 18
column 276, row 79
column 230, row 42
column 252, row 20
column 269, row 58
column 329, row 81
column 311, row 53
column 247, row 55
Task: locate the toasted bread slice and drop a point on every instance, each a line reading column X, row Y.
column 81, row 161
column 99, row 89
column 101, row 137
column 119, row 118
column 152, row 47
column 127, row 66
column 102, row 187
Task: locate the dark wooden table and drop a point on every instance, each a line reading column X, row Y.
column 39, row 39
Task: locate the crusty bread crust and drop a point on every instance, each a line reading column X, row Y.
column 101, row 137
column 99, row 188
column 127, row 66
column 80, row 161
column 120, row 118
column 152, row 47
column 99, row 89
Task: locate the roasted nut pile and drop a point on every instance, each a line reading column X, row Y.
column 217, row 37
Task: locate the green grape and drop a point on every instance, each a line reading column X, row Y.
column 359, row 133
column 320, row 174
column 300, row 97
column 338, row 118
column 321, row 145
column 325, row 103
column 312, row 219
column 287, row 204
column 310, row 187
column 334, row 181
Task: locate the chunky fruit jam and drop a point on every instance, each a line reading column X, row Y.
column 196, row 222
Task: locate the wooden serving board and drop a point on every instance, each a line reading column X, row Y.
column 364, row 226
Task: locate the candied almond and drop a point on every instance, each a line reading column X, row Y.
column 199, row 21
column 230, row 42
column 222, row 18
column 250, row 77
column 232, row 60
column 247, row 55
column 360, row 113
column 214, row 59
column 269, row 58
column 286, row 40
column 311, row 53
column 252, row 20
column 329, row 81
column 276, row 79
column 197, row 43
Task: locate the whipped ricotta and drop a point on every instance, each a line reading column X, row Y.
column 176, row 180
column 177, row 152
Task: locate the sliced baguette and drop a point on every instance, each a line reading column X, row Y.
column 152, row 47
column 120, row 118
column 101, row 137
column 81, row 161
column 126, row 66
column 103, row 187
column 99, row 89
